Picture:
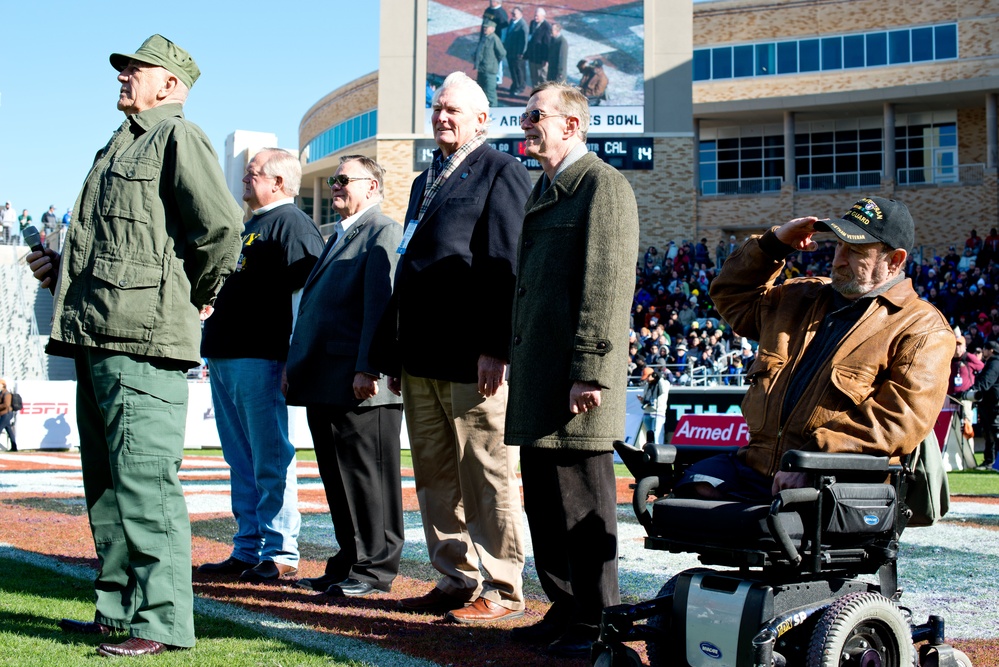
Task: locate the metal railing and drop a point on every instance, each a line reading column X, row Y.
column 965, row 174
column 684, row 375
column 859, row 179
column 741, row 186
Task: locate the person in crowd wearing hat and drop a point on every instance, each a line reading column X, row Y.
column 489, row 56
column 593, row 81
column 985, row 392
column 849, row 363
column 157, row 233
column 654, row 399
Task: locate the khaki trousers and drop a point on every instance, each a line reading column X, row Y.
column 466, row 483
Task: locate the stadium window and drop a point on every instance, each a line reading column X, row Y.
column 721, row 62
column 765, row 59
column 808, row 55
column 832, row 53
column 922, row 44
column 787, row 57
column 702, row 65
column 853, row 51
column 742, row 57
column 877, row 49
column 945, row 43
column 898, row 47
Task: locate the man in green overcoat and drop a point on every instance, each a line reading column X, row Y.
column 568, row 366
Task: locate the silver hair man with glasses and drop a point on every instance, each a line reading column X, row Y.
column 355, row 420
column 246, row 343
column 568, row 367
column 457, row 259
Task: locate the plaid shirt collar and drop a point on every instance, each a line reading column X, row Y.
column 442, row 167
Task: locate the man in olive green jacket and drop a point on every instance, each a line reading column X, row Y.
column 156, row 234
column 568, row 367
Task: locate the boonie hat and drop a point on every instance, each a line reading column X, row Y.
column 158, row 50
column 874, row 219
column 488, row 24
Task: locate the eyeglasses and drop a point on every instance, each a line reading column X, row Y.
column 343, row 180
column 537, row 114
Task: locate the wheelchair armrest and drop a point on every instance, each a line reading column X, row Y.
column 825, row 462
column 688, row 454
column 660, row 453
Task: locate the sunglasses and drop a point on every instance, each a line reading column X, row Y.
column 537, row 114
column 343, row 180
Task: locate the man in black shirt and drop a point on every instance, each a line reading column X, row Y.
column 246, row 345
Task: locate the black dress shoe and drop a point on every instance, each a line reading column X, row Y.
column 575, row 643
column 351, row 588
column 320, row 584
column 131, row 647
column 267, row 570
column 230, row 565
column 86, row 627
column 546, row 630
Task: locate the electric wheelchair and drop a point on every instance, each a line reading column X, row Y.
column 807, row 581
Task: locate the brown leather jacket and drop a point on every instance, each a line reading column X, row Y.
column 879, row 393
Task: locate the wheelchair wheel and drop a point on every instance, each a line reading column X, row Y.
column 861, row 630
column 657, row 649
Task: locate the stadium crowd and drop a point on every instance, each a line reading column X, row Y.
column 677, row 333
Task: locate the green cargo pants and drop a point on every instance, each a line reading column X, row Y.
column 131, row 415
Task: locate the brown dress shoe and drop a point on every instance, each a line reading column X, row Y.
column 230, row 565
column 132, row 647
column 85, row 627
column 434, row 602
column 267, row 570
column 483, row 611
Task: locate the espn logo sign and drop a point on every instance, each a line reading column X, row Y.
column 44, row 408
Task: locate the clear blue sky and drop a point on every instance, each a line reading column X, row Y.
column 263, row 64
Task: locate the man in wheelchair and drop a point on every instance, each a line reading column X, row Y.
column 849, row 379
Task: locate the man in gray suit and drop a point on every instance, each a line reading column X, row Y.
column 516, row 44
column 355, row 420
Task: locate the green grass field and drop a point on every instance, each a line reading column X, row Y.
column 33, row 601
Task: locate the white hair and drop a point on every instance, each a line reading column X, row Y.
column 279, row 162
column 471, row 93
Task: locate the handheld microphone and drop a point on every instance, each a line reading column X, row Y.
column 32, row 238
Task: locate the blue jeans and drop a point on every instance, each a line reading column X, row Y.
column 252, row 420
column 655, row 423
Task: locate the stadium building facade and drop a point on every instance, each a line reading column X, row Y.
column 726, row 117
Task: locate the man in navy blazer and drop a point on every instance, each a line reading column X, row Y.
column 450, row 333
column 354, row 419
